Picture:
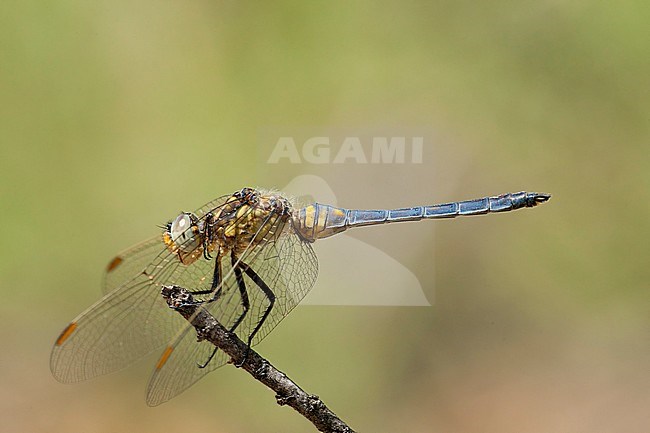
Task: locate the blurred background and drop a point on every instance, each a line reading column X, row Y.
column 115, row 116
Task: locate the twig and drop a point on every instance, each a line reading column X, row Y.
column 286, row 391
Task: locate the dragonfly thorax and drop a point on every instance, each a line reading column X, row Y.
column 249, row 218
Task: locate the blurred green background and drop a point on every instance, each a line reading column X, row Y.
column 116, row 115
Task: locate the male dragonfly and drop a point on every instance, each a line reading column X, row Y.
column 248, row 257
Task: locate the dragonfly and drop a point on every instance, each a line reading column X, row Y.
column 247, row 256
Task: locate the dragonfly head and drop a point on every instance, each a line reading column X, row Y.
column 183, row 236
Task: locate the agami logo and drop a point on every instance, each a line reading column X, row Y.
column 372, row 150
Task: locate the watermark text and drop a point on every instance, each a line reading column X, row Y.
column 324, row 150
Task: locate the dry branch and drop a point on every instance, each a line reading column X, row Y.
column 286, row 391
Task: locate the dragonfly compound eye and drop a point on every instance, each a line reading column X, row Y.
column 185, row 233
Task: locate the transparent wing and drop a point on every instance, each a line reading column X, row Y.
column 131, row 262
column 131, row 320
column 124, row 325
column 289, row 268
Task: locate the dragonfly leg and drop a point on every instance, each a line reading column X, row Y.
column 269, row 295
column 244, row 300
column 207, row 238
column 242, row 291
column 216, row 281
